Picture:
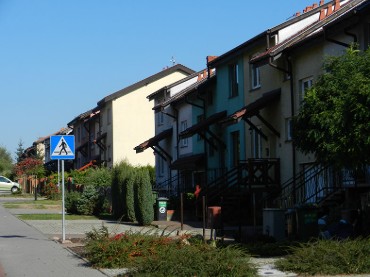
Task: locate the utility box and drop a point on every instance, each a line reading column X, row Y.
column 274, row 223
column 162, row 208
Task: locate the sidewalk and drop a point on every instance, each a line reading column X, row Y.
column 24, row 251
column 35, row 244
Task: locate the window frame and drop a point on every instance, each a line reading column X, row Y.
column 183, row 127
column 255, row 77
column 303, row 88
column 233, row 80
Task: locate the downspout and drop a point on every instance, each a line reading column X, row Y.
column 292, row 113
column 176, row 118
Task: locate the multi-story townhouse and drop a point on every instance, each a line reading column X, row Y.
column 126, row 118
column 271, row 73
column 86, row 127
column 176, row 159
column 295, row 59
column 41, row 148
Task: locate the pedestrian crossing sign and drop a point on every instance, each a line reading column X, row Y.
column 62, row 147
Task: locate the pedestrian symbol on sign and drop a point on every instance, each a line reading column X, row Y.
column 62, row 147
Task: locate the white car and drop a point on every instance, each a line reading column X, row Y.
column 8, row 185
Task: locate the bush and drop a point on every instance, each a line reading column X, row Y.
column 88, row 200
column 154, row 255
column 129, row 193
column 329, row 257
column 144, row 211
column 51, row 191
column 120, row 175
column 71, row 201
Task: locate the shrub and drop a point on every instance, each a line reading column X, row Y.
column 128, row 190
column 88, row 200
column 71, row 201
column 144, row 211
column 51, row 191
column 120, row 175
column 154, row 255
column 329, row 257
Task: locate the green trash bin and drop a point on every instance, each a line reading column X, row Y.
column 162, row 208
column 307, row 226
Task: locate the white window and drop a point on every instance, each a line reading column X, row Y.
column 288, row 129
column 184, row 126
column 256, row 78
column 305, row 84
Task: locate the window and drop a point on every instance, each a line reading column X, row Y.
column 160, row 118
column 256, row 144
column 234, row 79
column 288, row 129
column 211, row 150
column 235, row 144
column 160, row 166
column 184, row 126
column 305, row 84
column 199, row 119
column 256, row 78
column 78, row 134
column 209, row 97
column 109, row 116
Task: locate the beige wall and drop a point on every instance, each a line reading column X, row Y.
column 133, row 123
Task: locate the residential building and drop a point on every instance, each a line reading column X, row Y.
column 126, row 118
column 259, row 87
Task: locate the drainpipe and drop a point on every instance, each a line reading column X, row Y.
column 292, row 113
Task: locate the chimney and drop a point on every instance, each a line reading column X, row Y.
column 202, row 75
column 322, row 2
column 210, row 58
column 322, row 14
column 330, row 10
column 314, row 6
column 337, row 5
column 297, row 14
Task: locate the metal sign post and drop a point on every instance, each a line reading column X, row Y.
column 62, row 148
column 63, row 209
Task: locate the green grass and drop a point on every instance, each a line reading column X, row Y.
column 38, row 204
column 55, row 217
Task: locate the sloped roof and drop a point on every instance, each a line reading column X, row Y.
column 180, row 95
column 152, row 95
column 146, row 81
column 311, row 31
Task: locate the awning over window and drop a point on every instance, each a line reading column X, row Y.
column 153, row 141
column 201, row 126
column 188, row 163
column 254, row 107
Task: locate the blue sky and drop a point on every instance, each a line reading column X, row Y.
column 58, row 58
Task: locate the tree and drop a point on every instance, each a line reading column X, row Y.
column 30, row 166
column 334, row 121
column 6, row 162
column 20, row 151
column 143, row 197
